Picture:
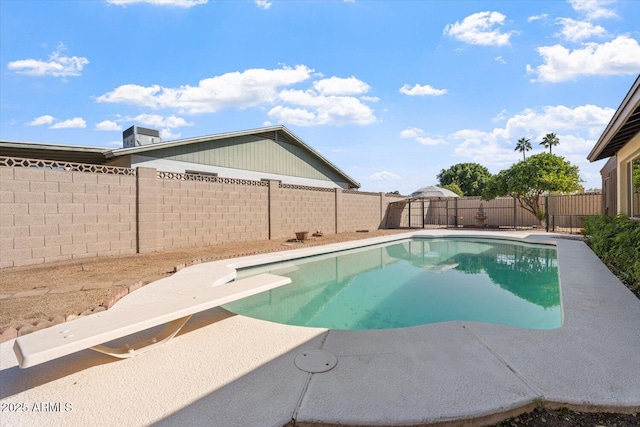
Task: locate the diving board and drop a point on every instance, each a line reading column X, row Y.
column 164, row 302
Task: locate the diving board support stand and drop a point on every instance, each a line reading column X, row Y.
column 169, row 331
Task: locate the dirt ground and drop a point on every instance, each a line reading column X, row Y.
column 564, row 418
column 85, row 283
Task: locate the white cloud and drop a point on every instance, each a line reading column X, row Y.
column 75, row 123
column 42, row 120
column 619, row 56
column 370, row 98
column 411, row 132
column 320, row 109
column 133, row 94
column 231, row 90
column 500, row 59
column 417, row 134
column 594, row 9
column 340, row 86
column 168, row 134
column 575, row 31
column 537, row 123
column 170, row 3
column 384, row 176
column 58, row 65
column 537, row 17
column 294, row 116
column 108, row 125
column 158, row 121
column 500, row 116
column 578, row 128
column 481, row 28
column 328, row 102
column 263, row 4
column 418, row 90
column 425, row 140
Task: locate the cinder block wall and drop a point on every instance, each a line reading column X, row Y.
column 360, row 211
column 297, row 208
column 51, row 215
column 194, row 213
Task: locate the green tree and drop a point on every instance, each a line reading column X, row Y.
column 550, row 140
column 533, row 177
column 470, row 177
column 523, row 146
column 455, row 188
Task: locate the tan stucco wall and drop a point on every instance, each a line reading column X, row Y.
column 629, row 152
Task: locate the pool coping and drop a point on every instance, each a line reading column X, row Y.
column 452, row 373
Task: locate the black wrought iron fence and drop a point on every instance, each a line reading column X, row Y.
column 572, row 224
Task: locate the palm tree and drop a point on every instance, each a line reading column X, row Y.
column 523, row 146
column 549, row 141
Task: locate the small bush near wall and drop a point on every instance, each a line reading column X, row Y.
column 616, row 240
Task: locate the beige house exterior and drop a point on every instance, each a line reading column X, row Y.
column 620, row 142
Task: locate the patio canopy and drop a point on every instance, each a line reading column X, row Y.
column 433, row 192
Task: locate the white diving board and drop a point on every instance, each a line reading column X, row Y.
column 164, row 302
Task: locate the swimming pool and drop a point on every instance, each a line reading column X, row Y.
column 413, row 282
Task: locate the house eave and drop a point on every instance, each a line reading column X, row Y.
column 57, row 152
column 622, row 127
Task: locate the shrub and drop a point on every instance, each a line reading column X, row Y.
column 616, row 240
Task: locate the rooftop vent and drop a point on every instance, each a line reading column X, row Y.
column 137, row 136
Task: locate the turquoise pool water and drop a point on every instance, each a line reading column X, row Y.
column 413, row 282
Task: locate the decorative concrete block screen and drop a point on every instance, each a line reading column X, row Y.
column 57, row 210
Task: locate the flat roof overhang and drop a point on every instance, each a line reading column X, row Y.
column 59, row 153
column 624, row 125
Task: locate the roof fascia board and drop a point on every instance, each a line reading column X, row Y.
column 626, row 108
column 56, row 147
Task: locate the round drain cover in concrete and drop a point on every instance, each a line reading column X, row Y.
column 315, row 361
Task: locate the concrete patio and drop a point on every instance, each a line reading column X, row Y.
column 230, row 370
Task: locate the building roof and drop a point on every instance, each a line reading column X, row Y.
column 98, row 155
column 56, row 152
column 277, row 133
column 624, row 125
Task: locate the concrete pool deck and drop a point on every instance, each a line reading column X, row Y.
column 228, row 370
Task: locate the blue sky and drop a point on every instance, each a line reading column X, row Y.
column 391, row 92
